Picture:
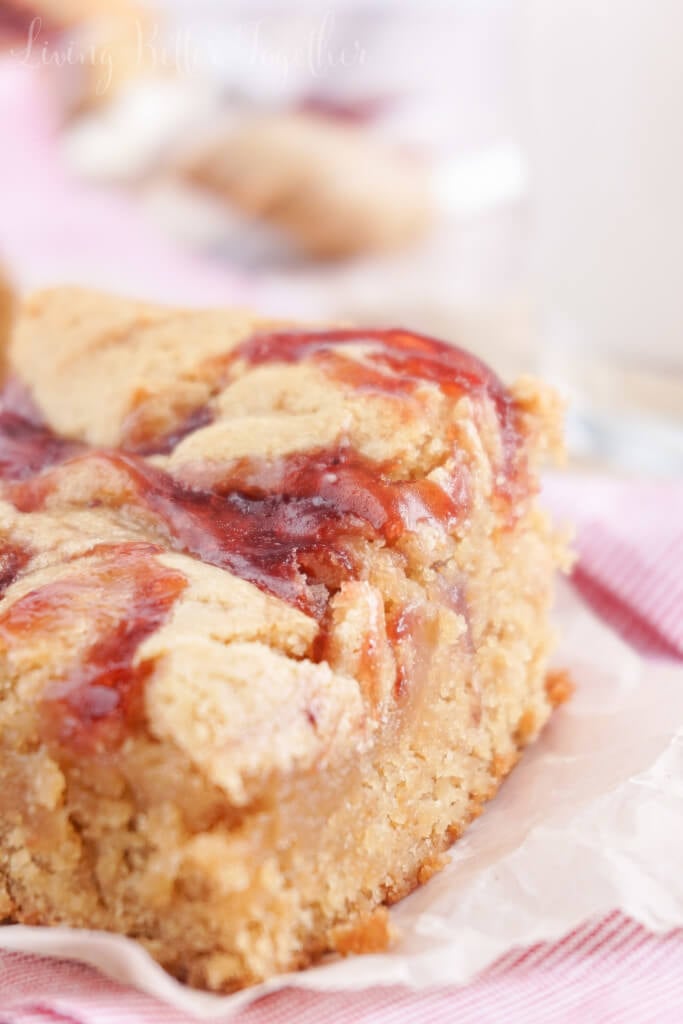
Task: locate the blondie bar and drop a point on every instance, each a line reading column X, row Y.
column 273, row 626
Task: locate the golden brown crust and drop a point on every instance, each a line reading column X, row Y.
column 559, row 687
column 369, row 934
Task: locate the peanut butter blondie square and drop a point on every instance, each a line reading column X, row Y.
column 273, row 626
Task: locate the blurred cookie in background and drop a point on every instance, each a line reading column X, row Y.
column 230, row 155
column 331, row 187
column 242, row 158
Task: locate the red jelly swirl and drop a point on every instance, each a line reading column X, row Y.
column 287, row 527
column 122, row 595
column 26, row 448
column 396, row 362
column 294, row 527
column 387, row 361
column 13, row 558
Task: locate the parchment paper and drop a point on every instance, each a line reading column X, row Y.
column 591, row 820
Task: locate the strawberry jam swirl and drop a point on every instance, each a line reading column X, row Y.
column 122, row 594
column 295, row 529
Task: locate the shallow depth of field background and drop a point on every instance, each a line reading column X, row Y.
column 549, row 135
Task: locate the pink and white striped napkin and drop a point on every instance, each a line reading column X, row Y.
column 610, row 971
column 630, row 544
column 610, row 968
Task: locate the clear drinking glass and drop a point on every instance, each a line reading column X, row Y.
column 603, row 129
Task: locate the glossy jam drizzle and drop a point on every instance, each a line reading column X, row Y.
column 13, row 558
column 410, row 358
column 26, row 448
column 27, row 444
column 396, row 362
column 294, row 526
column 96, row 696
column 284, row 527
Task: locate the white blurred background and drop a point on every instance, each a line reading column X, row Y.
column 548, row 137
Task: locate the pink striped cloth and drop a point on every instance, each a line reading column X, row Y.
column 630, row 569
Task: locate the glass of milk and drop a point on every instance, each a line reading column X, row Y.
column 602, row 87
